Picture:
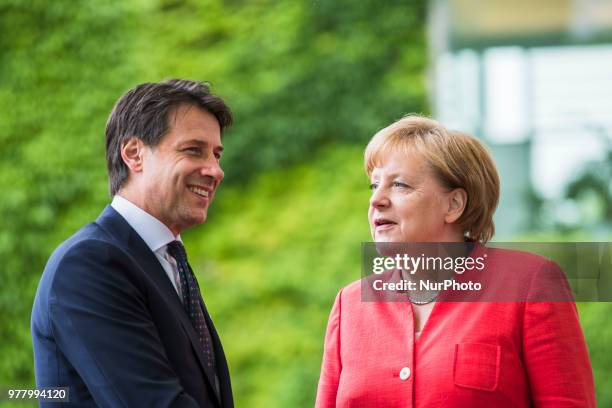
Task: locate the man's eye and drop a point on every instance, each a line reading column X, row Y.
column 193, row 150
column 373, row 186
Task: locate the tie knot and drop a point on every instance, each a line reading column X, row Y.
column 177, row 251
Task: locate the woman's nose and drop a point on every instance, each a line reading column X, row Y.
column 379, row 198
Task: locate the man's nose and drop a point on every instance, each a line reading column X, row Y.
column 213, row 169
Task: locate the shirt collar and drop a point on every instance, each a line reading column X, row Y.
column 152, row 231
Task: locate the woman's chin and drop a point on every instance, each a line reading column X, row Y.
column 387, row 238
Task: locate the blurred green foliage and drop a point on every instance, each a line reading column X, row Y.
column 272, row 269
column 309, row 83
column 60, row 64
column 300, row 76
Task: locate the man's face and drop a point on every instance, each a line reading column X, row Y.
column 181, row 174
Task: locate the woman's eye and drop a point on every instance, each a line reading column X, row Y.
column 400, row 184
column 373, row 186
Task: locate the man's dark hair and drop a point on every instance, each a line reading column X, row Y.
column 144, row 112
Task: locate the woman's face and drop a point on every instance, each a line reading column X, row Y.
column 408, row 204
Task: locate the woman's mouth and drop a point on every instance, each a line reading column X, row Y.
column 383, row 224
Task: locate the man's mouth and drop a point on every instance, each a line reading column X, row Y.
column 199, row 191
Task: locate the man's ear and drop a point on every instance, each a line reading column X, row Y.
column 132, row 152
column 457, row 200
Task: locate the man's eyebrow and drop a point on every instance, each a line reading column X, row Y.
column 200, row 143
column 194, row 141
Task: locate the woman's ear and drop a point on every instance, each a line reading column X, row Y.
column 132, row 154
column 457, row 200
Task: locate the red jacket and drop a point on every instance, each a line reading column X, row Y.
column 469, row 354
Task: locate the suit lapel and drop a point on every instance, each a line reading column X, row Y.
column 220, row 362
column 112, row 222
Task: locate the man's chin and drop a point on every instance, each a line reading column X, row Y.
column 195, row 219
column 202, row 218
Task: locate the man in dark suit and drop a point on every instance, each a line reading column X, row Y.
column 118, row 316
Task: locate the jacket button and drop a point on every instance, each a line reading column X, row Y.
column 404, row 373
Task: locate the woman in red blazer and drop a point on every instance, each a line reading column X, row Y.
column 430, row 184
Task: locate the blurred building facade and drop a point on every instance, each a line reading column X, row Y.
column 534, row 81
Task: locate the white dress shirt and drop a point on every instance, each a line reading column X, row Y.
column 154, row 233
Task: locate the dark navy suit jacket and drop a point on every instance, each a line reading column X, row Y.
column 108, row 324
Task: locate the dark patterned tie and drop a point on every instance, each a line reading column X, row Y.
column 191, row 300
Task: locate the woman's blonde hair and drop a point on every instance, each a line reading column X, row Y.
column 457, row 160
